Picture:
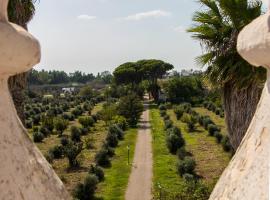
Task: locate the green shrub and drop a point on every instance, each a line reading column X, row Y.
column 120, row 121
column 162, row 113
column 162, row 107
column 181, row 153
column 75, row 134
column 86, row 190
column 48, row 123
column 212, row 129
column 60, row 125
column 102, row 158
column 131, row 108
column 226, row 144
column 86, row 121
column 174, row 130
column 38, row 137
column 71, row 151
column 174, row 142
column 44, row 131
column 218, row 136
column 112, row 139
column 186, row 166
column 56, row 151
column 76, row 112
column 110, row 150
column 64, row 141
column 179, row 111
column 166, row 117
column 84, row 131
column 168, row 124
column 116, row 130
column 188, row 177
column 207, row 121
column 36, row 119
column 98, row 171
column 28, row 124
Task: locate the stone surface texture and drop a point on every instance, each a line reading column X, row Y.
column 247, row 176
column 24, row 172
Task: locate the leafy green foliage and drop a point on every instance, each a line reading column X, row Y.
column 56, row 151
column 102, row 158
column 184, row 89
column 98, row 171
column 217, row 28
column 187, row 165
column 38, row 137
column 86, row 190
column 212, row 129
column 86, row 121
column 174, row 142
column 71, row 151
column 75, row 134
column 60, row 125
column 131, row 108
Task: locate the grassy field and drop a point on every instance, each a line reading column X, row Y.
column 164, row 163
column 220, row 122
column 210, row 158
column 116, row 177
column 71, row 178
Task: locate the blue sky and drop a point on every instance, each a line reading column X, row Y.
column 97, row 35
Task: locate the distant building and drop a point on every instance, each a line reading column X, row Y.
column 68, row 90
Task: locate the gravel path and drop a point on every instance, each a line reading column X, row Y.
column 140, row 180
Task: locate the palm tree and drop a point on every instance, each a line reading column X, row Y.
column 217, row 28
column 20, row 12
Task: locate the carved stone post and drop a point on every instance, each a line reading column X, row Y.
column 24, row 172
column 247, row 176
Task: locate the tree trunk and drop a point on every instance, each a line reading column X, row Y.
column 17, row 85
column 240, row 106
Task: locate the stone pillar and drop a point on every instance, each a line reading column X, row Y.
column 24, row 172
column 247, row 176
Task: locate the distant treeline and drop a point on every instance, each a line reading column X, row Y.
column 44, row 77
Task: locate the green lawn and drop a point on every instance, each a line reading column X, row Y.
column 116, row 177
column 220, row 122
column 210, row 158
column 164, row 163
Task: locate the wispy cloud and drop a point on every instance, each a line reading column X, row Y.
column 147, row 15
column 180, row 29
column 86, row 17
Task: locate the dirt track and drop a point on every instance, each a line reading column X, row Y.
column 140, row 180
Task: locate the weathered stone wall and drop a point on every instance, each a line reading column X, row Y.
column 247, row 176
column 24, row 172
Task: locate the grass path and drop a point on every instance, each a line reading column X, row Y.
column 116, row 177
column 140, row 180
column 164, row 163
column 210, row 158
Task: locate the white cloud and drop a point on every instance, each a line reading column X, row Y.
column 147, row 15
column 180, row 29
column 86, row 17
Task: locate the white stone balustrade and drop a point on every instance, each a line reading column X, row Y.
column 247, row 176
column 24, row 172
